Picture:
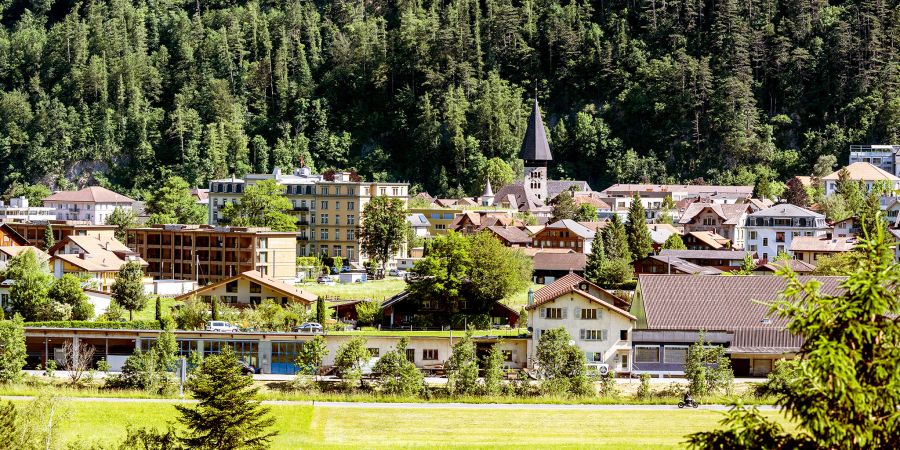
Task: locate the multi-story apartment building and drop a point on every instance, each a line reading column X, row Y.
column 92, row 204
column 440, row 219
column 770, row 231
column 867, row 173
column 619, row 196
column 886, row 157
column 19, row 209
column 34, row 232
column 328, row 208
column 209, row 254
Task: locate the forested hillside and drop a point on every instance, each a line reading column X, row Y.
column 128, row 92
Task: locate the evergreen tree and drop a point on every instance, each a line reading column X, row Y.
column 229, row 415
column 674, row 242
column 564, row 207
column 128, row 288
column 615, row 239
column 49, row 240
column 639, row 242
column 321, row 312
column 595, row 259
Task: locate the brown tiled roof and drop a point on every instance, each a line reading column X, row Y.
column 96, row 254
column 713, row 240
column 513, row 235
column 863, row 171
column 731, row 213
column 595, row 226
column 13, row 251
column 531, row 251
column 816, row 244
column 707, row 254
column 733, row 303
column 560, row 261
column 259, row 278
column 93, row 194
column 572, row 283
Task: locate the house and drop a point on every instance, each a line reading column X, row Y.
column 769, row 268
column 419, row 224
column 619, row 196
column 92, row 204
column 726, row 220
column 510, row 236
column 251, row 288
column 9, row 252
column 771, row 230
column 757, row 204
column 810, row 248
column 96, row 260
column 671, row 265
column 849, row 227
column 659, row 234
column 550, row 266
column 564, row 234
column 867, row 173
column 598, row 321
column 705, row 240
column 201, row 196
column 724, row 260
column 19, row 209
column 733, row 311
column 403, row 311
column 9, row 237
column 439, row 219
column 469, row 222
column 885, row 157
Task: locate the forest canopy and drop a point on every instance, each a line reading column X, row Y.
column 127, row 93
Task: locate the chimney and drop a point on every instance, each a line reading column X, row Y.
column 530, row 296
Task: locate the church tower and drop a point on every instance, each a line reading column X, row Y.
column 536, row 154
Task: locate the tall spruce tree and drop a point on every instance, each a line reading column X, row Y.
column 639, row 242
column 615, row 239
column 595, row 259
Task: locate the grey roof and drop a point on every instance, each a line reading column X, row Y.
column 535, row 146
column 686, row 267
column 555, row 187
column 706, row 254
column 521, row 198
column 573, row 226
column 488, row 192
column 418, row 220
column 786, row 210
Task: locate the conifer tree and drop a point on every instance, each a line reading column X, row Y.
column 639, row 242
column 595, row 259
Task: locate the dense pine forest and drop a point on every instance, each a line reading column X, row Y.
column 128, row 92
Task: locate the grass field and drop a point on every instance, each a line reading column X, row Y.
column 375, row 289
column 149, row 312
column 343, row 427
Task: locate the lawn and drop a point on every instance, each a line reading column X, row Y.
column 519, row 299
column 374, row 289
column 350, row 427
column 149, row 311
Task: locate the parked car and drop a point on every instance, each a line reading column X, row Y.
column 325, row 279
column 218, row 325
column 309, row 327
column 334, row 271
column 246, row 369
column 345, row 269
column 397, row 273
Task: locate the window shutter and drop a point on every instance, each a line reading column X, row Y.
column 599, row 313
column 543, row 313
column 581, row 334
column 564, row 311
column 588, row 356
column 604, row 334
column 577, row 313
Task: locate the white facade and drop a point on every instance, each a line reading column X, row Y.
column 19, row 210
column 770, row 231
column 601, row 332
column 92, row 204
column 884, row 156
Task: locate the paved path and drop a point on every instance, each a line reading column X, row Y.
column 434, row 405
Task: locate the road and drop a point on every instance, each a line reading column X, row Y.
column 434, row 405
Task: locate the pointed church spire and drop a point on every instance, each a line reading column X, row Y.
column 535, row 146
column 488, row 192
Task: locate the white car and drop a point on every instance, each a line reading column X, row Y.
column 397, row 273
column 218, row 325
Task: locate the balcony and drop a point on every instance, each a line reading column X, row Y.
column 301, row 208
column 302, row 222
column 302, row 238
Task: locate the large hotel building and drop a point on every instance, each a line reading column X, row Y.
column 328, row 208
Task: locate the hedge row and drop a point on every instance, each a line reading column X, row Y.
column 133, row 325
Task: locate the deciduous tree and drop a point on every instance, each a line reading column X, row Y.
column 262, row 205
column 383, row 228
column 128, row 288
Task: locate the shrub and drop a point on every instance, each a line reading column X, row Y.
column 396, row 374
column 192, row 315
column 12, row 349
column 133, row 325
column 644, row 392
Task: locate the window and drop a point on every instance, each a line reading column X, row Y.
column 646, row 354
column 592, row 335
column 231, row 286
column 255, row 288
column 448, row 216
column 323, row 234
column 263, row 242
column 708, row 221
column 374, row 352
column 752, row 235
column 324, row 219
column 553, row 313
column 337, row 219
column 337, row 206
column 623, row 335
column 350, row 235
column 351, row 219
column 324, row 204
column 587, row 314
column 675, row 354
column 411, row 355
column 765, row 242
column 507, row 355
column 429, row 354
column 351, row 206
column 779, row 236
column 435, row 215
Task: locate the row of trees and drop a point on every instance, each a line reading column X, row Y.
column 619, row 244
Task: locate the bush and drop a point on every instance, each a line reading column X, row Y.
column 192, row 315
column 133, row 325
column 12, row 349
column 396, row 374
column 644, row 392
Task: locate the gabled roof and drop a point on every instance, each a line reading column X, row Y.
column 513, row 235
column 863, row 171
column 556, row 187
column 817, row 244
column 534, row 145
column 660, row 232
column 795, row 264
column 560, row 261
column 96, row 254
column 92, row 194
column 258, row 278
column 13, row 234
column 13, row 251
column 730, row 213
column 575, row 283
column 714, row 240
column 786, row 210
column 689, row 189
column 685, row 267
column 734, row 255
column 520, row 198
column 573, row 226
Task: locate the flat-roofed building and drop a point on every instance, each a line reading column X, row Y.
column 34, row 232
column 210, row 254
column 19, row 209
